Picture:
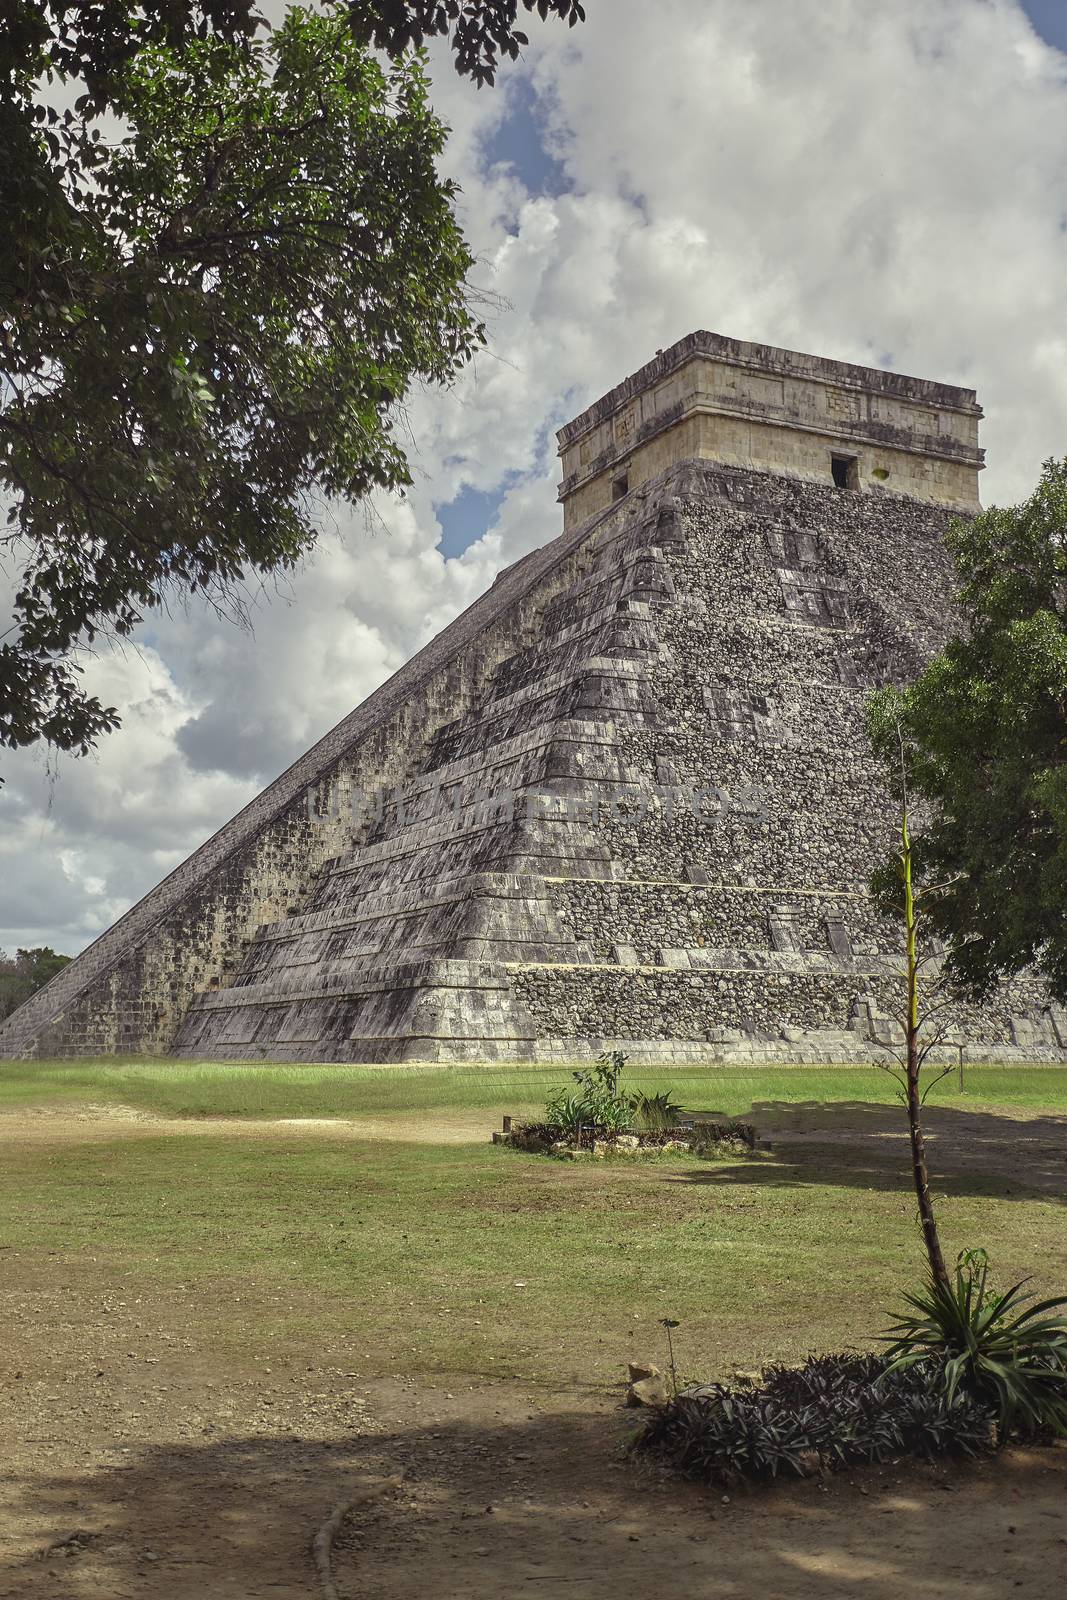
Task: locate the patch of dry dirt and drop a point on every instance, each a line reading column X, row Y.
column 85, row 1124
column 535, row 1498
column 507, row 1491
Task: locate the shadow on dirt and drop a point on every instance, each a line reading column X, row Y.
column 519, row 1503
column 855, row 1144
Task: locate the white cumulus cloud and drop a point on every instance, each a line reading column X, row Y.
column 883, row 184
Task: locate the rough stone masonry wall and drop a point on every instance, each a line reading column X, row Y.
column 131, row 989
column 403, row 950
column 717, row 630
column 750, row 926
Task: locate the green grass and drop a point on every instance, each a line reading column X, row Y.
column 184, row 1088
column 422, row 1258
column 412, row 1255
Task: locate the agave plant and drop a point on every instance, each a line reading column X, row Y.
column 1008, row 1350
column 566, row 1111
column 654, row 1113
column 592, row 1110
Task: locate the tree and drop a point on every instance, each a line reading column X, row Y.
column 23, row 976
column 985, row 731
column 93, row 43
column 978, row 722
column 222, row 268
column 481, row 30
column 1008, row 1350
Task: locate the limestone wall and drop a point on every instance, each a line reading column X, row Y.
column 773, row 410
column 719, row 636
column 748, row 926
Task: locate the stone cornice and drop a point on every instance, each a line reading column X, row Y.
column 766, row 360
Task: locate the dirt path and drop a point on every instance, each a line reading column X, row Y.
column 86, row 1124
column 507, row 1492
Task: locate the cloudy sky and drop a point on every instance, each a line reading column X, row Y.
column 880, row 183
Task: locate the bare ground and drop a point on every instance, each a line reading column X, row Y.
column 105, row 1123
column 140, row 1461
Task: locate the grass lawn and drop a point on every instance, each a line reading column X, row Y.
column 472, row 1259
column 201, row 1088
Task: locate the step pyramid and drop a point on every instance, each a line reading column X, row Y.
column 625, row 800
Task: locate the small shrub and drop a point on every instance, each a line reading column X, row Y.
column 607, row 1070
column 835, row 1411
column 1004, row 1349
column 654, row 1113
column 601, row 1080
column 596, row 1106
column 614, row 1116
column 565, row 1113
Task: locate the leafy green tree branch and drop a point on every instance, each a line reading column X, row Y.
column 985, row 731
column 212, row 304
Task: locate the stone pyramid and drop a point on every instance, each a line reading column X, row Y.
column 625, row 799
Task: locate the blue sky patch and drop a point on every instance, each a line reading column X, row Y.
column 1049, row 17
column 519, row 141
column 467, row 517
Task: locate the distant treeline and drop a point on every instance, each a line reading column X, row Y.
column 24, row 973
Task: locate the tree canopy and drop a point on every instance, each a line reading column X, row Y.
column 481, row 31
column 25, row 973
column 93, row 42
column 984, row 737
column 222, row 268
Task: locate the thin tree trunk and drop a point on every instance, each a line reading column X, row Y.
column 922, row 1178
column 919, row 1169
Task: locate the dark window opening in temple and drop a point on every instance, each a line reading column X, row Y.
column 619, row 486
column 846, row 471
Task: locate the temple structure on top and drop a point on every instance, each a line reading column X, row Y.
column 749, row 405
column 625, row 800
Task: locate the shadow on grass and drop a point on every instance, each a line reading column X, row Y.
column 857, row 1144
column 499, row 1506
